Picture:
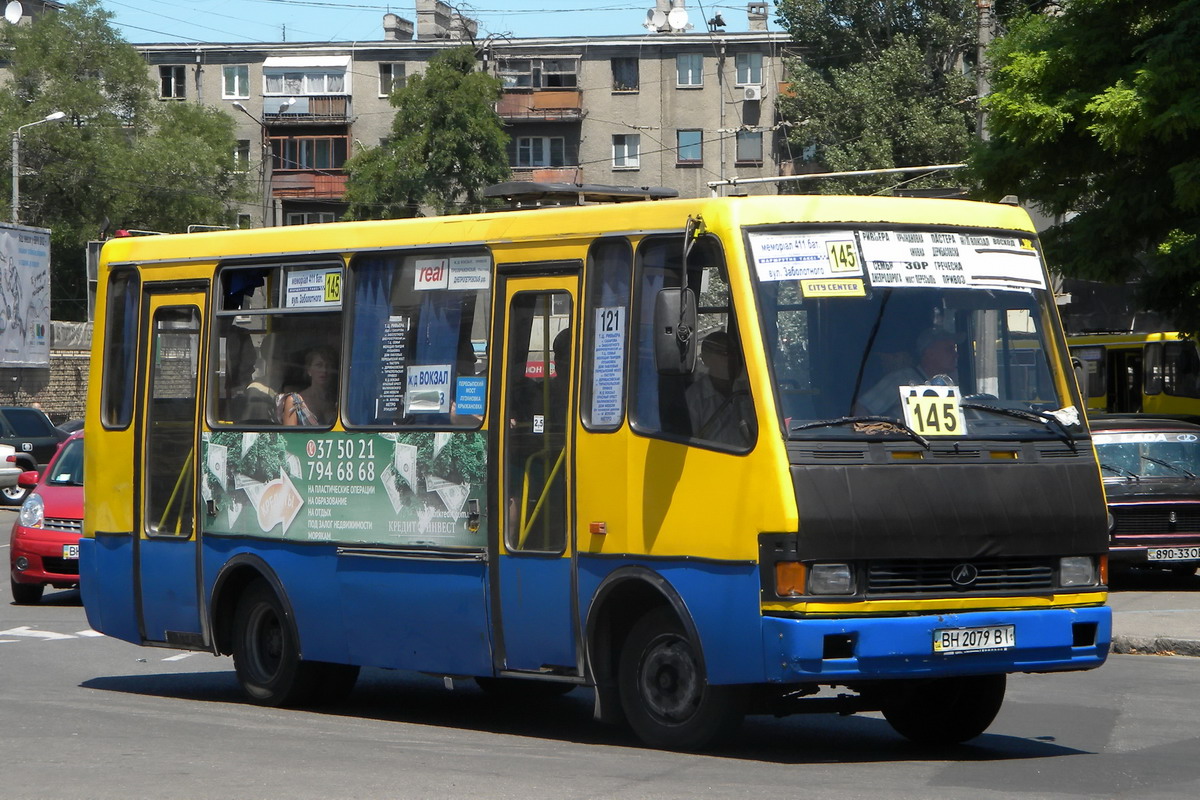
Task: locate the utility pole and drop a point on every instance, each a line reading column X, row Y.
column 986, row 22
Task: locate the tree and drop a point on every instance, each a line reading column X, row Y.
column 447, row 144
column 120, row 158
column 879, row 85
column 1095, row 117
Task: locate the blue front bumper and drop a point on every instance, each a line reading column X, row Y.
column 837, row 650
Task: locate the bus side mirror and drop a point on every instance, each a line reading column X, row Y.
column 1080, row 377
column 675, row 331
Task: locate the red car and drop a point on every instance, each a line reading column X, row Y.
column 45, row 537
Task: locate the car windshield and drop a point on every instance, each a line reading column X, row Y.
column 862, row 325
column 1148, row 454
column 67, row 469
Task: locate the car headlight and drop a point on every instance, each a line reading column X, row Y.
column 830, row 579
column 1077, row 571
column 33, row 512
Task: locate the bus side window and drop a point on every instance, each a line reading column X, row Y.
column 270, row 323
column 606, row 331
column 713, row 405
column 418, row 339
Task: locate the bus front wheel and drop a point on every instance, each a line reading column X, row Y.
column 266, row 653
column 943, row 711
column 664, row 692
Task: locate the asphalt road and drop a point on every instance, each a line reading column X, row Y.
column 83, row 716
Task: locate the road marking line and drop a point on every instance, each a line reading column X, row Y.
column 179, row 657
column 32, row 634
column 88, row 632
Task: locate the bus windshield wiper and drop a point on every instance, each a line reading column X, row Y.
column 1173, row 467
column 1124, row 473
column 897, row 425
column 1046, row 417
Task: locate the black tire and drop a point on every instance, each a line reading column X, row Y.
column 13, row 495
column 943, row 711
column 266, row 653
column 521, row 689
column 26, row 594
column 664, row 692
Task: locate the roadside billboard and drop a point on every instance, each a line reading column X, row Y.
column 24, row 296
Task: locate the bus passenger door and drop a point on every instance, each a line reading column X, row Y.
column 534, row 575
column 166, row 557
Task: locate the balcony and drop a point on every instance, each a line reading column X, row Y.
column 559, row 105
column 311, row 185
column 572, row 175
column 326, row 108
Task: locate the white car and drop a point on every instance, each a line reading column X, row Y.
column 9, row 470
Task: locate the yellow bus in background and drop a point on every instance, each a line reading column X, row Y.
column 689, row 455
column 1148, row 373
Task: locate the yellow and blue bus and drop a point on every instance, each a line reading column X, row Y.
column 691, row 455
column 1155, row 373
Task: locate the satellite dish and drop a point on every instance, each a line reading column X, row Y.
column 677, row 18
column 656, row 20
column 14, row 11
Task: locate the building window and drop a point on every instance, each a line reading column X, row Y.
column 539, row 73
column 541, row 151
column 689, row 69
column 749, row 147
column 171, row 82
column 626, row 147
column 391, row 77
column 749, row 68
column 241, row 155
column 236, row 83
column 279, row 82
column 690, row 146
column 625, row 74
column 243, row 221
column 308, row 152
column 309, row 217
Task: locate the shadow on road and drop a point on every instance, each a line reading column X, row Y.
column 388, row 696
column 1152, row 580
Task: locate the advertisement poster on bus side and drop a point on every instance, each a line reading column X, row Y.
column 400, row 489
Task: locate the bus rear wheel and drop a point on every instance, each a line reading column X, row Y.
column 664, row 692
column 943, row 711
column 266, row 653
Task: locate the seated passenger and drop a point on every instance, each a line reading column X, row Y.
column 316, row 403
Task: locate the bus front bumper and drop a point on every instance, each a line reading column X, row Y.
column 825, row 650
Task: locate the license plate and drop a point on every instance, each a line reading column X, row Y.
column 974, row 640
column 1173, row 554
column 70, row 551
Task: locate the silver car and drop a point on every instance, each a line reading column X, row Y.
column 9, row 470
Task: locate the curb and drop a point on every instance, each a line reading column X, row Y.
column 1155, row 645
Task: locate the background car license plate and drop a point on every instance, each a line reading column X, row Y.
column 974, row 640
column 70, row 551
column 1173, row 554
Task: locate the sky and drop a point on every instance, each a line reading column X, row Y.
column 234, row 21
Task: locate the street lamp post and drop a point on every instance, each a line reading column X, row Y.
column 16, row 160
column 268, row 158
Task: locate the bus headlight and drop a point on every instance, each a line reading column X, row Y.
column 830, row 579
column 1077, row 571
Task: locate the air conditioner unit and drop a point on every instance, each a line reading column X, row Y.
column 752, row 92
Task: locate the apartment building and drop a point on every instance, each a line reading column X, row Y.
column 676, row 103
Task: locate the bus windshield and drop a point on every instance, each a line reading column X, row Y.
column 949, row 340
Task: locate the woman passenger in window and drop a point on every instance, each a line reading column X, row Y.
column 315, row 405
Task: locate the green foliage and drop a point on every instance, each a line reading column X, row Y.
column 878, row 86
column 121, row 158
column 447, row 144
column 1095, row 117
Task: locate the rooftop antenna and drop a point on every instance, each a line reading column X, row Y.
column 677, row 17
column 656, row 20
